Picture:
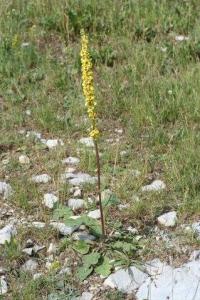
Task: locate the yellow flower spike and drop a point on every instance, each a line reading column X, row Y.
column 88, row 84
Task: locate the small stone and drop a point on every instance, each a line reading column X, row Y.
column 76, row 203
column 52, row 249
column 196, row 229
column 37, row 276
column 3, row 286
column 94, row 214
column 6, row 233
column 28, row 251
column 25, row 44
column 5, row 190
column 86, row 296
column 124, row 153
column 181, row 38
column 28, row 112
column 50, row 200
column 71, row 160
column 83, row 236
column 66, row 271
column 24, row 160
column 63, row 229
column 123, row 206
column 82, row 178
column 43, row 178
column 38, row 248
column 30, row 266
column 88, row 141
column 132, row 230
column 77, row 193
column 34, row 134
column 155, row 186
column 52, row 143
column 168, row 220
column 39, row 225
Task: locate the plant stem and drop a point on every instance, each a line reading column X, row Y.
column 99, row 187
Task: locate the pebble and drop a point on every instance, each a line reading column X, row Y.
column 76, row 203
column 43, row 178
column 5, row 189
column 196, row 229
column 50, row 200
column 66, row 271
column 64, row 229
column 168, row 219
column 52, row 248
column 38, row 225
column 82, row 178
column 30, row 266
column 71, row 160
column 3, row 286
column 24, row 159
column 83, row 236
column 52, row 143
column 37, row 275
column 181, row 38
column 6, row 233
column 86, row 296
column 94, row 214
column 77, row 193
column 156, row 185
column 132, row 230
column 87, row 141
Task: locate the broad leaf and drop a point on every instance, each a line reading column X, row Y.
column 84, row 271
column 81, row 247
column 105, row 268
column 124, row 246
column 112, row 200
column 62, row 212
column 91, row 259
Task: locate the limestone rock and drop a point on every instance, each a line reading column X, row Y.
column 168, row 220
column 155, row 186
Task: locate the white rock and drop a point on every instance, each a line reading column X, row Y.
column 83, row 236
column 95, row 214
column 28, row 251
column 24, row 159
column 5, row 189
column 86, row 296
column 3, row 286
column 132, row 230
column 82, row 178
column 180, row 38
column 6, row 233
column 43, row 178
column 123, row 206
column 70, row 170
column 28, row 112
column 63, row 229
column 25, row 44
column 50, row 200
column 39, row 225
column 65, row 270
column 71, row 160
column 52, row 248
column 196, row 229
column 126, row 281
column 77, row 193
column 34, row 134
column 76, row 203
column 87, row 141
column 124, row 153
column 52, row 143
column 156, row 185
column 169, row 219
column 37, row 275
column 178, row 284
column 38, row 248
column 30, row 266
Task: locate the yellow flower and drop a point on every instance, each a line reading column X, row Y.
column 88, row 84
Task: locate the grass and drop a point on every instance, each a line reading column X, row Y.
column 147, row 83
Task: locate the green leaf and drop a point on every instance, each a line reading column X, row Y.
column 112, row 200
column 74, row 222
column 62, row 212
column 105, row 268
column 91, row 259
column 81, row 247
column 124, row 246
column 83, row 272
column 93, row 225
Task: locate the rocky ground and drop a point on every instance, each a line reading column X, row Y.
column 37, row 243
